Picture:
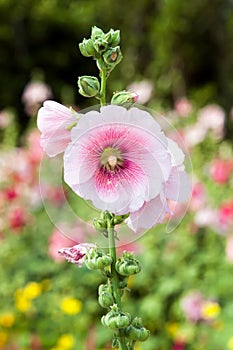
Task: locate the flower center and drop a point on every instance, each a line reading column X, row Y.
column 111, row 158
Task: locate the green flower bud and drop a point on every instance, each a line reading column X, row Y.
column 113, row 56
column 116, row 319
column 95, row 260
column 100, row 225
column 124, row 98
column 113, row 37
column 86, row 48
column 105, row 300
column 96, row 33
column 136, row 331
column 105, row 295
column 88, row 86
column 128, row 265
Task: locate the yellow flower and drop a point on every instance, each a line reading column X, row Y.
column 230, row 343
column 21, row 303
column 3, row 338
column 172, row 329
column 32, row 290
column 7, row 319
column 66, row 341
column 210, row 310
column 71, row 306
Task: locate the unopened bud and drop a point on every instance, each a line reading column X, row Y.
column 100, row 225
column 105, row 296
column 136, row 331
column 124, row 98
column 88, row 86
column 128, row 265
column 96, row 33
column 113, row 37
column 86, row 48
column 116, row 319
column 95, row 260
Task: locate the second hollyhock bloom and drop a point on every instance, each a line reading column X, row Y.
column 54, row 121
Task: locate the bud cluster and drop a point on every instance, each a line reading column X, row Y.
column 107, row 220
column 105, row 49
column 123, row 325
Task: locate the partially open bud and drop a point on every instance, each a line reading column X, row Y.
column 97, row 260
column 128, row 265
column 116, row 319
column 113, row 56
column 124, row 98
column 136, row 331
column 88, row 86
column 86, row 48
column 113, row 37
column 100, row 45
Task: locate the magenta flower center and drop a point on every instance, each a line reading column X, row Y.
column 111, row 158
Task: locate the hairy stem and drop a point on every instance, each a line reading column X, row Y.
column 115, row 279
column 103, row 77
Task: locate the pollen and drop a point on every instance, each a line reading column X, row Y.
column 112, row 161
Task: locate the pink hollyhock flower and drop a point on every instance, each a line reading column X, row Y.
column 191, row 305
column 76, row 254
column 143, row 89
column 35, row 92
column 212, row 117
column 122, row 161
column 53, row 121
column 198, row 198
column 221, row 170
column 194, row 134
column 183, row 107
column 17, row 219
column 205, row 217
column 225, row 215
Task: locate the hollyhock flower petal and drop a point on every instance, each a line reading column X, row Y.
column 140, row 149
column 76, row 254
column 53, row 120
column 149, row 215
column 178, row 186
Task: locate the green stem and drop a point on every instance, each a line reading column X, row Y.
column 115, row 280
column 112, row 252
column 103, row 77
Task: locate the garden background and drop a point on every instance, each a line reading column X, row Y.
column 178, row 56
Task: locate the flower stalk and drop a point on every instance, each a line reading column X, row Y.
column 118, row 178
